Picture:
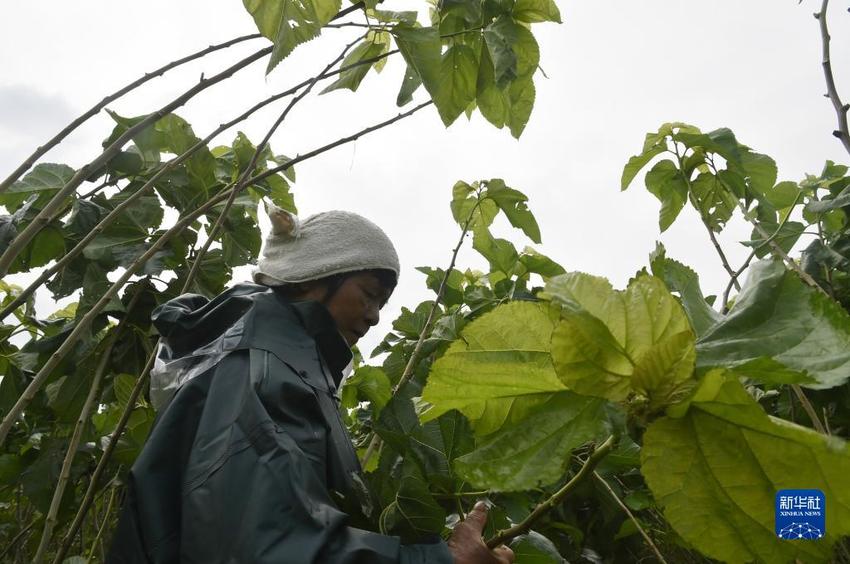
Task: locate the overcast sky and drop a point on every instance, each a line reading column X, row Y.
column 616, row 69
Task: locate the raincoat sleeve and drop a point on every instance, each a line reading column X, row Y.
column 252, row 488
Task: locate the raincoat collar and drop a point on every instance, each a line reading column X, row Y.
column 321, row 327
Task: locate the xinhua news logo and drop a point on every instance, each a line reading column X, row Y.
column 800, row 514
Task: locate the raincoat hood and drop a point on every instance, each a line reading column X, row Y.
column 198, row 332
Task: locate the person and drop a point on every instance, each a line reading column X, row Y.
column 249, row 446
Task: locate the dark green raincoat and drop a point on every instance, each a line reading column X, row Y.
column 249, row 443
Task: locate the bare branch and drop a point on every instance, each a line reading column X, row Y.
column 842, row 133
column 88, row 498
column 84, row 322
column 111, row 98
column 82, row 419
column 49, row 211
column 241, row 182
column 144, row 189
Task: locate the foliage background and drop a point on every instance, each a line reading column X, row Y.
column 616, row 70
column 609, row 227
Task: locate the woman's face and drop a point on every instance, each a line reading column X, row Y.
column 356, row 305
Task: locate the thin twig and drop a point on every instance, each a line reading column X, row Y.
column 375, row 441
column 82, row 420
column 631, row 516
column 733, row 279
column 544, row 507
column 83, row 324
column 111, row 98
column 778, row 252
column 810, row 410
column 842, row 133
column 48, row 213
column 47, row 273
column 337, row 143
column 242, row 181
column 457, row 495
column 98, row 538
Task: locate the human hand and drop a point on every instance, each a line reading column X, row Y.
column 467, row 545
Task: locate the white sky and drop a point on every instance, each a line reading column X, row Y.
column 616, row 69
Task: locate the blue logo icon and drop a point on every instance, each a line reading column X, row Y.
column 800, row 514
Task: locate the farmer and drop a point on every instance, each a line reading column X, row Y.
column 249, row 448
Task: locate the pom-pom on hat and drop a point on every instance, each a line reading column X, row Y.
column 322, row 245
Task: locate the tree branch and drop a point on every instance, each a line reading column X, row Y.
column 375, row 441
column 83, row 324
column 241, row 182
column 149, row 185
column 49, row 211
column 88, row 498
column 82, row 420
column 111, row 98
column 842, row 133
column 545, row 507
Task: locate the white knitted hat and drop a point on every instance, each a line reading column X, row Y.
column 322, row 245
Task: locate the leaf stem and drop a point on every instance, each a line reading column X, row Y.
column 842, row 133
column 546, row 506
column 111, row 98
column 631, row 516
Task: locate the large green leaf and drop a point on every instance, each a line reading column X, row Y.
column 369, row 383
column 421, row 48
column 716, row 464
column 493, row 102
column 536, row 450
column 44, row 180
column 715, row 201
column 515, row 206
column 613, row 343
column 685, row 282
column 373, row 46
column 499, row 38
column 467, row 206
column 457, row 82
column 665, row 182
column 497, row 370
column 500, row 253
column 776, row 316
column 521, row 95
column 289, row 23
column 533, row 11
